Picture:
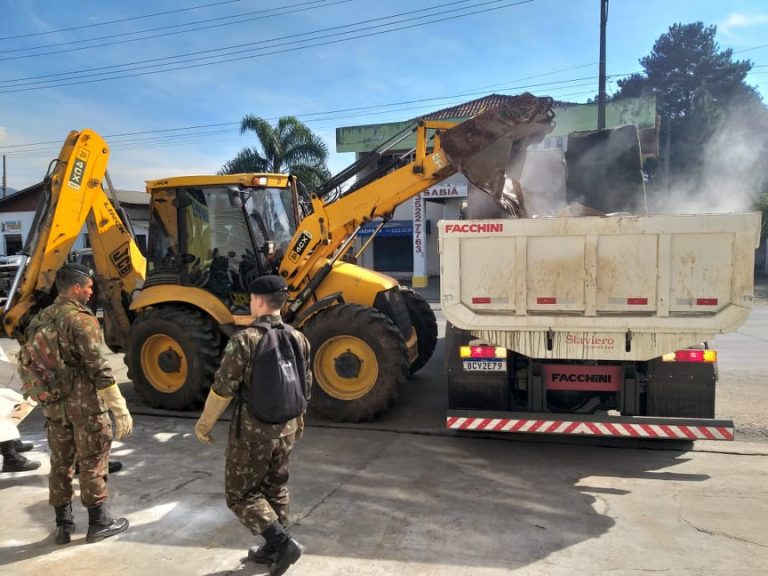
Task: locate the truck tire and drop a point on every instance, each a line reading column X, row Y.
column 172, row 354
column 359, row 361
column 424, row 322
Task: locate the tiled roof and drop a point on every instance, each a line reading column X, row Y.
column 471, row 108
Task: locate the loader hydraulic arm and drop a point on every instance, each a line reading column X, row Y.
column 331, row 223
column 483, row 148
column 72, row 197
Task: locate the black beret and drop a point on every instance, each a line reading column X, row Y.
column 77, row 269
column 268, row 284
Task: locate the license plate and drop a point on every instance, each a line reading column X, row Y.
column 485, row 365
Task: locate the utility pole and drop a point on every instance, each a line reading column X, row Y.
column 601, row 81
column 5, row 188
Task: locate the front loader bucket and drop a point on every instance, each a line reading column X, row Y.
column 490, row 148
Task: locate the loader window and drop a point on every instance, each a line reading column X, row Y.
column 163, row 249
column 273, row 216
column 218, row 243
column 200, row 234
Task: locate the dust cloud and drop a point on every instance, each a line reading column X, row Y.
column 730, row 174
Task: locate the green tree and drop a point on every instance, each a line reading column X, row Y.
column 684, row 63
column 699, row 90
column 287, row 147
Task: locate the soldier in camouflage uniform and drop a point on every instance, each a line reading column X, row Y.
column 258, row 453
column 79, row 427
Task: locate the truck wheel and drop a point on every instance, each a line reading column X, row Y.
column 424, row 321
column 359, row 361
column 172, row 354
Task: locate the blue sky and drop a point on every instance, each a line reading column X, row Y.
column 91, row 63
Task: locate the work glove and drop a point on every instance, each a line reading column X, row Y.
column 299, row 426
column 116, row 404
column 214, row 408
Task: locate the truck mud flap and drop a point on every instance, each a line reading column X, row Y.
column 585, row 425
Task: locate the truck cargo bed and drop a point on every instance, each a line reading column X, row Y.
column 613, row 288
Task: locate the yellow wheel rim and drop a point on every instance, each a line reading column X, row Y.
column 164, row 363
column 346, row 367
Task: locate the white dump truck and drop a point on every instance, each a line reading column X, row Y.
column 593, row 325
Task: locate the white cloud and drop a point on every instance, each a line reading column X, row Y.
column 738, row 20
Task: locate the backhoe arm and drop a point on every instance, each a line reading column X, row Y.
column 72, row 196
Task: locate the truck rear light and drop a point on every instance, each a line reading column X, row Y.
column 259, row 181
column 482, row 352
column 546, row 300
column 706, row 301
column 481, row 300
column 695, row 355
column 637, row 301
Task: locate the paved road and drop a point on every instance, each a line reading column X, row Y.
column 742, row 391
column 404, row 496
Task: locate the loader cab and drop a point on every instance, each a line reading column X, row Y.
column 217, row 232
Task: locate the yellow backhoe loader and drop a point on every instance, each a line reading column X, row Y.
column 210, row 235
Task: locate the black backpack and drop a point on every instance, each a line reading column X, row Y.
column 277, row 392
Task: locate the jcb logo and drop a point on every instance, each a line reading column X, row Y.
column 79, row 164
column 121, row 258
column 301, row 244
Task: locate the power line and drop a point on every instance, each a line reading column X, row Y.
column 421, row 104
column 31, row 34
column 172, row 66
column 293, row 37
column 263, row 14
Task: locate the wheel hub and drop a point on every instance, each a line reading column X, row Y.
column 164, row 363
column 169, row 361
column 348, row 365
column 345, row 367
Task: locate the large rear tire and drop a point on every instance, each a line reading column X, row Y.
column 172, row 355
column 359, row 362
column 424, row 322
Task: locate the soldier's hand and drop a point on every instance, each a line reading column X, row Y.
column 203, row 433
column 124, row 426
column 116, row 403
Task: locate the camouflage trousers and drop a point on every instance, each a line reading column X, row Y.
column 87, row 441
column 256, row 481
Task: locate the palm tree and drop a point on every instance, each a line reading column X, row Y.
column 288, row 147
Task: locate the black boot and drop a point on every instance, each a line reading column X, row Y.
column 266, row 554
column 288, row 550
column 15, row 462
column 65, row 524
column 20, row 446
column 101, row 526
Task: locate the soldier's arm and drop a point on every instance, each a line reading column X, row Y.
column 85, row 341
column 231, row 371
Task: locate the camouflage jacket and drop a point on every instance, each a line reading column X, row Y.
column 80, row 346
column 234, row 375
